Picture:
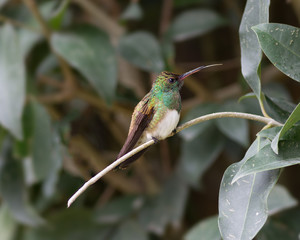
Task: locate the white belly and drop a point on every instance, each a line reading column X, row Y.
column 166, row 125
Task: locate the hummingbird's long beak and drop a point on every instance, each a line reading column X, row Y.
column 183, row 76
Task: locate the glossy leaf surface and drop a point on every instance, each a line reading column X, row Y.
column 243, row 203
column 254, row 13
column 142, row 50
column 89, row 50
column 194, row 23
column 281, row 44
column 12, row 81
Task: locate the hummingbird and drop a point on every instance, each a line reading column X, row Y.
column 156, row 116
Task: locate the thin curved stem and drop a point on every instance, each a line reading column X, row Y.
column 262, row 107
column 107, row 170
column 267, row 121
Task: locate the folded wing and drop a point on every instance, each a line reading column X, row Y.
column 140, row 121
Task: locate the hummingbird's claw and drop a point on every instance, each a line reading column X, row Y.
column 155, row 140
column 174, row 131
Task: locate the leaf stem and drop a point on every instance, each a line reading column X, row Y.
column 263, row 110
column 204, row 118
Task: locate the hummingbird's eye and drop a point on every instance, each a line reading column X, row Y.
column 171, row 80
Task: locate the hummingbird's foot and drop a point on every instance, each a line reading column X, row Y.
column 174, row 131
column 155, row 140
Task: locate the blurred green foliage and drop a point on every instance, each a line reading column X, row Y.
column 71, row 73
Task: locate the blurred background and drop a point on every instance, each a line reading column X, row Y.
column 81, row 66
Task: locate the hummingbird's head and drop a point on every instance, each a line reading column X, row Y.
column 167, row 81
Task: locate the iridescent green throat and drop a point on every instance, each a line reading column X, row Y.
column 166, row 93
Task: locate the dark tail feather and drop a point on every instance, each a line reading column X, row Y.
column 128, row 161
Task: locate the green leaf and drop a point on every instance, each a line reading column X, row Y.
column 118, row 209
column 12, row 81
column 166, row 208
column 234, row 128
column 282, row 226
column 47, row 9
column 277, row 90
column 269, row 133
column 23, row 14
column 293, row 134
column 8, row 225
column 255, row 12
column 132, row 12
column 283, row 104
column 194, row 23
column 56, row 155
column 89, row 50
column 22, row 149
column 70, row 224
column 41, row 142
column 47, row 65
column 206, row 229
column 255, row 147
column 13, row 190
column 142, row 50
column 57, row 17
column 243, row 204
column 246, row 96
column 281, row 45
column 280, row 199
column 194, row 131
column 27, row 40
column 293, row 118
column 199, row 154
column 130, row 230
column 266, row 159
column 279, row 109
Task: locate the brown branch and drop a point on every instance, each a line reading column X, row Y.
column 35, row 11
column 166, row 14
column 99, row 103
column 56, row 98
column 50, row 81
